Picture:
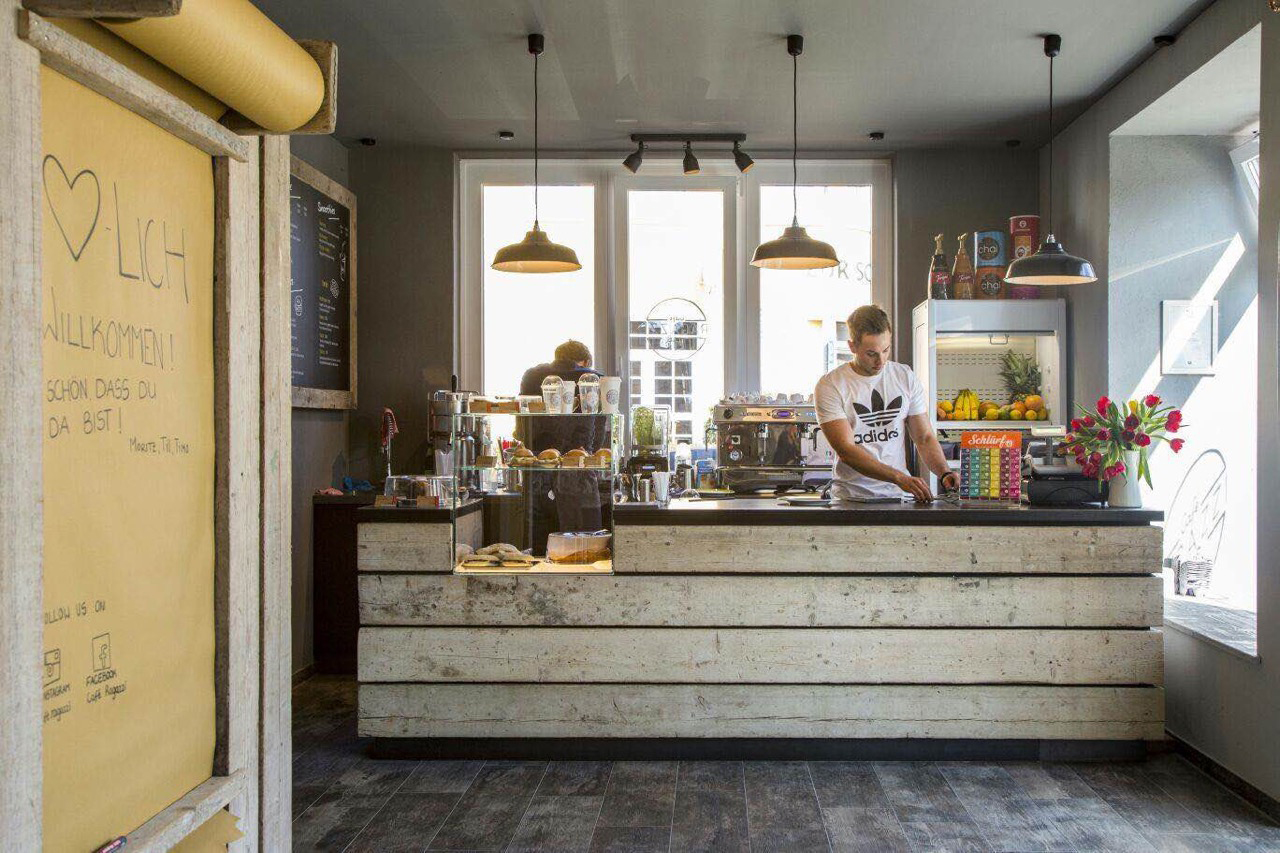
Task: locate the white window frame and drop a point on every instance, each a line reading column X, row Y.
column 612, row 183
column 1240, row 158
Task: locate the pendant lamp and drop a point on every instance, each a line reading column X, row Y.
column 1051, row 264
column 536, row 253
column 795, row 249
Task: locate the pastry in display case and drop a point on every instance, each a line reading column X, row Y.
column 545, row 484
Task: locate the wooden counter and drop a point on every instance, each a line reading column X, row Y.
column 742, row 620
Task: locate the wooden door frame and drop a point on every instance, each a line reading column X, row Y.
column 250, row 772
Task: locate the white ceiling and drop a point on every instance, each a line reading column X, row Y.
column 453, row 73
column 1221, row 98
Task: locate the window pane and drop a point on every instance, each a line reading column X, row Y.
column 525, row 315
column 800, row 309
column 676, row 280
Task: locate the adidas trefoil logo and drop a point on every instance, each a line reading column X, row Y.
column 879, row 414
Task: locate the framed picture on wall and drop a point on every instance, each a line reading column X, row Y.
column 1188, row 337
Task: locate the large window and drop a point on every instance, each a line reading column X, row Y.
column 527, row 316
column 675, row 297
column 666, row 297
column 803, row 313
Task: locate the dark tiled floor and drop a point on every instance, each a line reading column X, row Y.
column 345, row 801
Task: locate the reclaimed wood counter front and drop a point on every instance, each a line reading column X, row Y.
column 744, row 620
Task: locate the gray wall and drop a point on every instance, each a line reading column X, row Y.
column 1177, row 207
column 404, row 339
column 1081, row 215
column 406, row 306
column 1224, row 705
column 951, row 192
column 319, row 436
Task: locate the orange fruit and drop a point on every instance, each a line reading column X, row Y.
column 1020, row 407
column 1035, row 401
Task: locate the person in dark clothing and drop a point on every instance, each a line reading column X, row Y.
column 572, row 359
column 567, row 501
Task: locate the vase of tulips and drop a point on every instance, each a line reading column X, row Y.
column 1112, row 443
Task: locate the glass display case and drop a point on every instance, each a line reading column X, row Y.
column 534, row 492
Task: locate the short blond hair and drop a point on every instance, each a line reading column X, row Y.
column 868, row 320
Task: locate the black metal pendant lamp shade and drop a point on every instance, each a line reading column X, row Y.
column 795, row 249
column 536, row 253
column 1051, row 265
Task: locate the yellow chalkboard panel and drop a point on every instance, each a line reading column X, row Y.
column 127, row 265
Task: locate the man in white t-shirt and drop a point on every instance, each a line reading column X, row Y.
column 866, row 408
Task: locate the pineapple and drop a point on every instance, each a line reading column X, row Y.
column 1020, row 374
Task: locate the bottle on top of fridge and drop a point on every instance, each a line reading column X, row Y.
column 962, row 272
column 939, row 278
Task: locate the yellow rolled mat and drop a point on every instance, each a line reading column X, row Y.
column 135, row 60
column 234, row 52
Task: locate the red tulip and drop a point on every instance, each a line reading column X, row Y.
column 1076, row 423
column 1104, row 435
column 1128, row 435
column 1176, row 444
column 1103, row 403
column 1131, row 422
column 1174, row 421
column 1096, row 458
column 1152, row 400
column 1069, row 438
column 1087, row 420
column 1119, row 468
column 1142, row 439
column 1090, row 471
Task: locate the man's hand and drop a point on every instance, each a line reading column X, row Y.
column 950, row 482
column 917, row 487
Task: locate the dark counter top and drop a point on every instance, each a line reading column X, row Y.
column 765, row 511
column 415, row 515
column 357, row 499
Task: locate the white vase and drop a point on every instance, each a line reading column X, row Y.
column 1126, row 490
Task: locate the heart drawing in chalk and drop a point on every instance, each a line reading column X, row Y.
column 75, row 210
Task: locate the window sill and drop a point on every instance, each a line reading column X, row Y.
column 1233, row 631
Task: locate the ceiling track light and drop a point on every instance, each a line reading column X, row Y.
column 634, row 159
column 690, row 163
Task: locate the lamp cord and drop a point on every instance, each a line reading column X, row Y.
column 535, row 141
column 795, row 137
column 1049, row 216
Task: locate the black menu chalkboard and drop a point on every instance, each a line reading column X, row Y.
column 323, row 290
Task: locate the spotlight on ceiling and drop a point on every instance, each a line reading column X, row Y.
column 743, row 159
column 690, row 162
column 634, row 159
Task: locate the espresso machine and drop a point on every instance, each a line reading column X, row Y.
column 770, row 444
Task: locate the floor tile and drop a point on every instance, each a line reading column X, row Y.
column 847, row 783
column 780, row 794
column 557, row 824
column 709, row 818
column 789, row 839
column 374, row 776
column 862, row 829
column 640, row 793
column 575, row 778
column 441, row 777
column 333, row 821
column 488, row 814
column 406, row 823
column 630, row 839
